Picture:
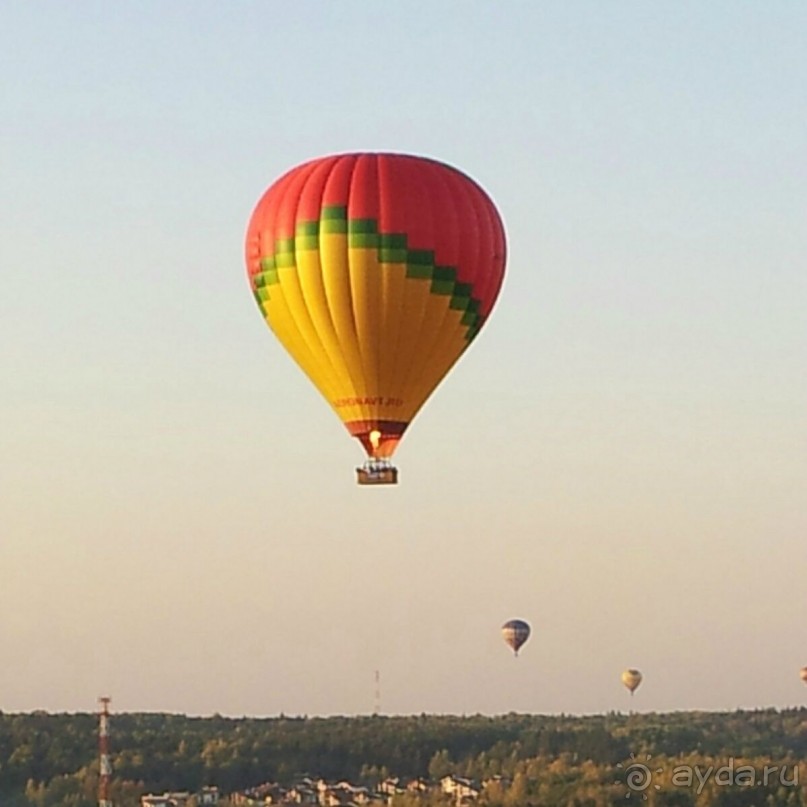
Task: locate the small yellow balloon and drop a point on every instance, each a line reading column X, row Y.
column 631, row 679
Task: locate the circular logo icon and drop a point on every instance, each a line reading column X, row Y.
column 638, row 777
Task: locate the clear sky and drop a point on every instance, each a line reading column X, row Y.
column 620, row 459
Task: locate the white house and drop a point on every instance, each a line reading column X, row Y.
column 461, row 789
column 166, row 800
column 208, row 797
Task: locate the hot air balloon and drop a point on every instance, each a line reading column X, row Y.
column 375, row 272
column 631, row 679
column 803, row 674
column 515, row 633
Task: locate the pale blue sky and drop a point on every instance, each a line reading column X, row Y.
column 621, row 459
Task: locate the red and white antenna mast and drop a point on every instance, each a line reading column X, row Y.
column 103, row 749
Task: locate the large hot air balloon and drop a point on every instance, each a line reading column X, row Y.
column 375, row 272
column 515, row 632
column 803, row 674
column 631, row 679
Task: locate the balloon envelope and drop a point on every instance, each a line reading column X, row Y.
column 515, row 632
column 631, row 679
column 803, row 674
column 375, row 272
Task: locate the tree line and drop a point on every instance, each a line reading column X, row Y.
column 51, row 760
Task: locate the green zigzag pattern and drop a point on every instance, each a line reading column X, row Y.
column 392, row 248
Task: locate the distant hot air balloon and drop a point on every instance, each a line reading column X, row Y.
column 631, row 679
column 803, row 674
column 515, row 633
column 375, row 272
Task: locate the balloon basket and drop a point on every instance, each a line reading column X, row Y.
column 377, row 472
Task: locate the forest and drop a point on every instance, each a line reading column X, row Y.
column 51, row 760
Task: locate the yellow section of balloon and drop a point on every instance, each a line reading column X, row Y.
column 374, row 342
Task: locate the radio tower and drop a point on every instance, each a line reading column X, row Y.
column 377, row 704
column 103, row 748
